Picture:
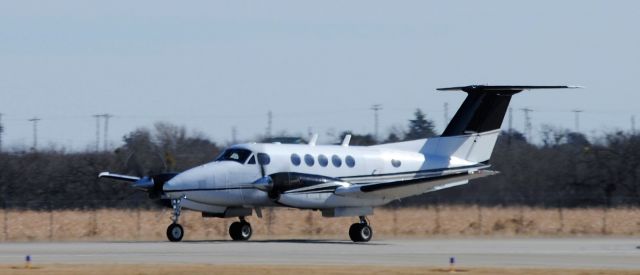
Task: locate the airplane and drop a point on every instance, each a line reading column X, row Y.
column 338, row 180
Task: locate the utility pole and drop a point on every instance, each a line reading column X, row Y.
column 234, row 135
column 527, row 123
column 446, row 114
column 1, row 131
column 376, row 108
column 35, row 132
column 269, row 123
column 106, row 130
column 576, row 113
column 510, row 120
column 633, row 124
column 97, row 131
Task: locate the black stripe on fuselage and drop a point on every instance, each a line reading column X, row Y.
column 208, row 189
column 327, row 188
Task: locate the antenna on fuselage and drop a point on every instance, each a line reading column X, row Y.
column 346, row 140
column 314, row 140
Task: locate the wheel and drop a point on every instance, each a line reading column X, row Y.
column 240, row 231
column 360, row 232
column 175, row 232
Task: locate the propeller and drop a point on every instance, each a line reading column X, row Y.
column 151, row 184
column 264, row 183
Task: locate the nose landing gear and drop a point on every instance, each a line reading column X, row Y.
column 240, row 231
column 361, row 232
column 175, row 232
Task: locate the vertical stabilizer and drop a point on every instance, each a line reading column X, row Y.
column 473, row 131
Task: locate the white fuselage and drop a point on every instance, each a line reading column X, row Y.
column 231, row 182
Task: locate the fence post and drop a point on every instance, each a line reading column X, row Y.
column 5, row 225
column 604, row 221
column 138, row 225
column 50, row 221
column 310, row 221
column 437, row 229
column 269, row 220
column 479, row 219
column 395, row 220
column 561, row 217
column 520, row 229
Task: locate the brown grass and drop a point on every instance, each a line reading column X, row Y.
column 135, row 224
column 287, row 269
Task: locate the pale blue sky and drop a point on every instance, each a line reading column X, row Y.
column 210, row 65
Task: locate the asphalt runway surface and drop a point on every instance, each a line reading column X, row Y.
column 596, row 253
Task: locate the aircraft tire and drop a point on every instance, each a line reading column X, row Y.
column 240, row 231
column 175, row 232
column 359, row 232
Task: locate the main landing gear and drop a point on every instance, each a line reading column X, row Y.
column 175, row 232
column 240, row 231
column 361, row 232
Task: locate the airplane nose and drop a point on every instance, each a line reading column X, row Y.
column 172, row 184
column 187, row 180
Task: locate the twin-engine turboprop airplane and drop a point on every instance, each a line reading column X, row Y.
column 338, row 180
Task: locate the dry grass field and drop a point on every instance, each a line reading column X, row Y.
column 308, row 270
column 135, row 224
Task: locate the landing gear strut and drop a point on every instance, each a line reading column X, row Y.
column 175, row 232
column 361, row 232
column 240, row 231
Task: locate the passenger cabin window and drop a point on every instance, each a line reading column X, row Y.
column 350, row 161
column 295, row 159
column 263, row 159
column 323, row 161
column 308, row 159
column 337, row 162
column 237, row 155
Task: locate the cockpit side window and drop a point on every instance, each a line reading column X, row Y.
column 264, row 159
column 252, row 160
column 237, row 155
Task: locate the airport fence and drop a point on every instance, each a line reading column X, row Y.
column 20, row 222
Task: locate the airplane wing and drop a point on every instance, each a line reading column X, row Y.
column 118, row 177
column 406, row 188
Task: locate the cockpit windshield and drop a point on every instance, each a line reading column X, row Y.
column 237, row 155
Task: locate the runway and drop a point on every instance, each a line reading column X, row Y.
column 597, row 253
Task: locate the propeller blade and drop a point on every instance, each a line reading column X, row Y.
column 262, row 172
column 144, row 183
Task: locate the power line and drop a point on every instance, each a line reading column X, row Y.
column 376, row 108
column 35, row 132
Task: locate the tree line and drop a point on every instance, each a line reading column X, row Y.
column 566, row 170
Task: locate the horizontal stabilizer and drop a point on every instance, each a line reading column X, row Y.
column 503, row 88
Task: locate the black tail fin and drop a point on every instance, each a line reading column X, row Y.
column 484, row 108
